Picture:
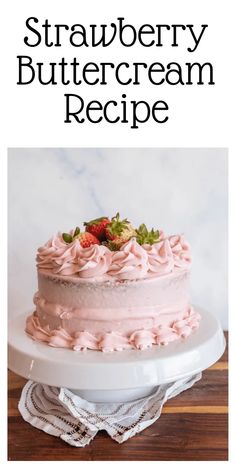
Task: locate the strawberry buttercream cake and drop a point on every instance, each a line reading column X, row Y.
column 113, row 287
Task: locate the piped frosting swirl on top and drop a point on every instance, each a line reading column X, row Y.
column 58, row 256
column 131, row 262
column 181, row 251
column 94, row 261
column 160, row 258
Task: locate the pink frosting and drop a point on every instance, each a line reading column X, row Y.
column 181, row 251
column 184, row 329
column 142, row 339
column 67, row 262
column 165, row 335
column 162, row 235
column 160, row 258
column 84, row 340
column 94, row 261
column 70, row 259
column 58, row 256
column 114, row 341
column 34, row 328
column 60, row 338
column 130, row 262
column 54, row 248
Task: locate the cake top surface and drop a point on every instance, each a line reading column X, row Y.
column 111, row 247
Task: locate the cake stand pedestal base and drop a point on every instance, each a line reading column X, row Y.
column 117, row 376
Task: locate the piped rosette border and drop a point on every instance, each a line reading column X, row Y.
column 132, row 261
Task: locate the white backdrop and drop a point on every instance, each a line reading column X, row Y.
column 178, row 190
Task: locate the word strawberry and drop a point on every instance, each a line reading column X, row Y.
column 97, row 227
column 118, row 232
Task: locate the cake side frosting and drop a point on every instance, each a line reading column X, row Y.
column 114, row 341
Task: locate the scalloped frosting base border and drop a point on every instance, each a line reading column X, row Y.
column 113, row 341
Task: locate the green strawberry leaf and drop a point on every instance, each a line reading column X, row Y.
column 117, row 226
column 67, row 237
column 76, row 232
column 147, row 237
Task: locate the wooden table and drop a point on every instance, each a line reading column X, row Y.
column 193, row 426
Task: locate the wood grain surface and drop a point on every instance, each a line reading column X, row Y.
column 193, row 426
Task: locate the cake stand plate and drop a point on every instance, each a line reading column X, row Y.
column 116, row 376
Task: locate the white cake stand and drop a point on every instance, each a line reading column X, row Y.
column 118, row 376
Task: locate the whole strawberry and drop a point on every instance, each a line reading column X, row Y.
column 118, row 232
column 97, row 227
column 86, row 239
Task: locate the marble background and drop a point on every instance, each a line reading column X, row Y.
column 179, row 190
